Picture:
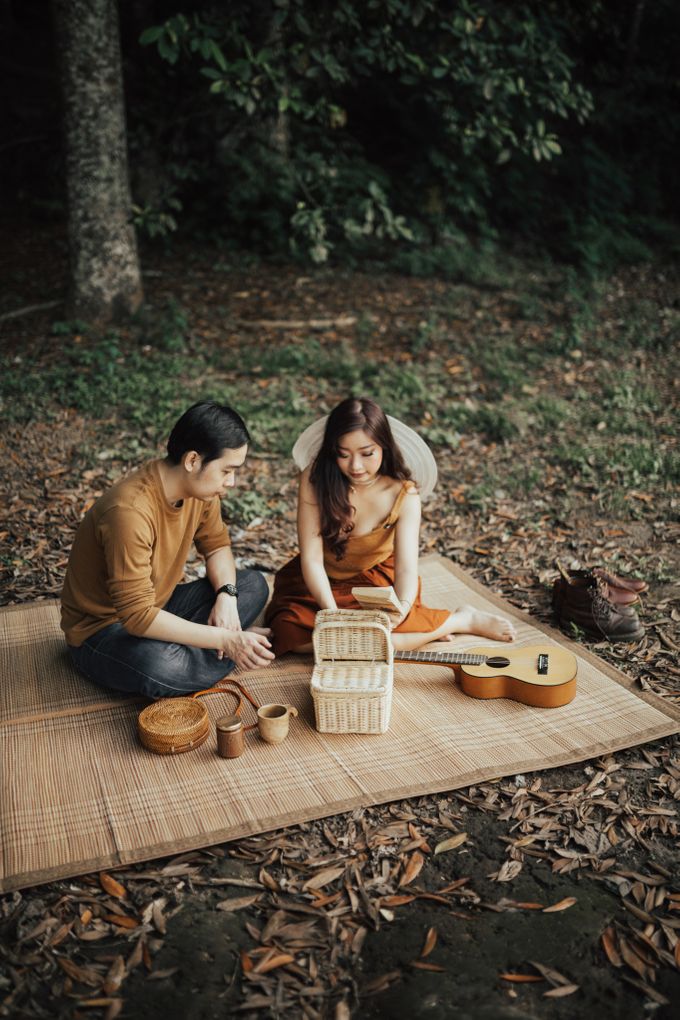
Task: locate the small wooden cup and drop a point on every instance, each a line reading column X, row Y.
column 273, row 722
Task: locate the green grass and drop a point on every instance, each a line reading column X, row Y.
column 611, row 429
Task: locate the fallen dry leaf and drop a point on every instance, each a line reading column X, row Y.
column 324, row 877
column 564, row 904
column 430, row 942
column 631, row 958
column 560, row 992
column 85, row 975
column 650, row 992
column 272, row 963
column 237, row 903
column 550, row 974
column 451, row 843
column 412, row 869
column 158, row 917
column 396, row 901
column 425, row 965
column 115, row 977
column 507, row 872
column 112, row 887
column 520, row 904
column 608, row 944
column 521, row 978
column 121, row 920
column 379, row 984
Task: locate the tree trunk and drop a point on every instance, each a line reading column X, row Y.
column 105, row 276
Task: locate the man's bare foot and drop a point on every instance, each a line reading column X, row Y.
column 488, row 625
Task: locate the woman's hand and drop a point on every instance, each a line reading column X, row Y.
column 398, row 618
column 249, row 649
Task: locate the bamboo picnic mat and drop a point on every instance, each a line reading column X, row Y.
column 78, row 793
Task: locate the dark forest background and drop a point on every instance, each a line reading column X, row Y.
column 397, row 129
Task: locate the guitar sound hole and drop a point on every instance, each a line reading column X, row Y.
column 498, row 661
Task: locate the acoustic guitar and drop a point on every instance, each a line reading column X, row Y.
column 543, row 676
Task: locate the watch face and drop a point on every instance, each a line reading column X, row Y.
column 230, row 589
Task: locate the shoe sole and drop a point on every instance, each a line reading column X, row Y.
column 599, row 636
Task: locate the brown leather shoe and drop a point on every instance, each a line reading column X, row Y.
column 582, row 599
column 617, row 596
column 633, row 584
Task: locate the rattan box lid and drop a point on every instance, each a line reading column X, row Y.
column 361, row 635
column 173, row 725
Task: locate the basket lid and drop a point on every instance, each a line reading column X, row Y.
column 173, row 725
column 349, row 634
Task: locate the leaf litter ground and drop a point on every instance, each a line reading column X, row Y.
column 553, row 894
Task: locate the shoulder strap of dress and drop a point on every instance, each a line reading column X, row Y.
column 406, row 487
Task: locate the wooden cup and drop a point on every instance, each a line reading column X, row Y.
column 273, row 722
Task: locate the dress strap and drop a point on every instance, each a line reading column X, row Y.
column 393, row 516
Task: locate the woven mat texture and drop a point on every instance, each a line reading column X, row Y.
column 78, row 793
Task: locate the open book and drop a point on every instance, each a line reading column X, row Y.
column 378, row 598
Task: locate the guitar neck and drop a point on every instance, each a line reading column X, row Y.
column 445, row 658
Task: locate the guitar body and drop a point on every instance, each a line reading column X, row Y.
column 543, row 676
column 520, row 680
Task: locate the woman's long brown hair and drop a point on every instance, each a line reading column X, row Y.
column 330, row 485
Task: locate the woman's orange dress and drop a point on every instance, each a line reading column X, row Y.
column 368, row 560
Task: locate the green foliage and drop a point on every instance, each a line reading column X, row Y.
column 478, row 263
column 96, row 375
column 247, row 505
column 344, row 126
column 156, row 222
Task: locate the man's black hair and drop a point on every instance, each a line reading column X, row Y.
column 209, row 429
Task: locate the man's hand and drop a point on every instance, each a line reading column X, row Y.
column 224, row 614
column 249, row 649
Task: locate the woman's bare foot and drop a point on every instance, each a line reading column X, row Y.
column 474, row 621
column 463, row 621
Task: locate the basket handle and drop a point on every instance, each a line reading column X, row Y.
column 218, row 688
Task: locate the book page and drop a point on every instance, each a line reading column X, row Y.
column 370, row 597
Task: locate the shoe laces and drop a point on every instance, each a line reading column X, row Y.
column 602, row 607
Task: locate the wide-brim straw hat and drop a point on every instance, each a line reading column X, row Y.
column 415, row 452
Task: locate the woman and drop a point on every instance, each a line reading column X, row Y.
column 358, row 524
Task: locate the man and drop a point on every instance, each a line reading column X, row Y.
column 129, row 622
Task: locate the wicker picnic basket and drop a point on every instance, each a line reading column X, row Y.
column 353, row 672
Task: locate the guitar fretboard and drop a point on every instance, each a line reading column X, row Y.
column 446, row 658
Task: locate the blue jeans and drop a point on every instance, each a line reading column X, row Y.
column 160, row 669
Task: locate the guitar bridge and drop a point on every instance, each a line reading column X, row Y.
column 543, row 664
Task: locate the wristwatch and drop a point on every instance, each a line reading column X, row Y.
column 228, row 589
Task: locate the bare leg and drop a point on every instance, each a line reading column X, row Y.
column 463, row 621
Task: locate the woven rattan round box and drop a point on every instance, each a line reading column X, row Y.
column 173, row 725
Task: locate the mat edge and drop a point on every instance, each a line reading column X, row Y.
column 121, row 860
column 502, row 603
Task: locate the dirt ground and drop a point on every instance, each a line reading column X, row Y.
column 395, row 929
